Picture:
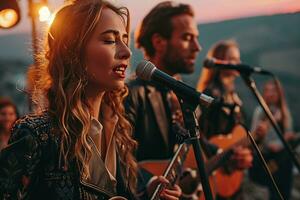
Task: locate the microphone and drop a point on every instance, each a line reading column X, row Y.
column 242, row 68
column 147, row 71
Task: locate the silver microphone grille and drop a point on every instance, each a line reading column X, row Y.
column 145, row 69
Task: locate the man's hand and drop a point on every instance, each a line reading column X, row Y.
column 169, row 194
column 242, row 158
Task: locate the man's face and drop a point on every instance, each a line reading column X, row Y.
column 183, row 46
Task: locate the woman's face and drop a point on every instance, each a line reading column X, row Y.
column 227, row 77
column 233, row 56
column 270, row 94
column 8, row 117
column 107, row 53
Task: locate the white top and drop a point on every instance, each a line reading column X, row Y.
column 271, row 137
column 110, row 162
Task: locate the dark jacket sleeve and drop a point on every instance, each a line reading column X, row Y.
column 209, row 148
column 19, row 162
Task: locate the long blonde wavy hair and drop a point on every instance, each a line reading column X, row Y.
column 210, row 75
column 281, row 103
column 63, row 78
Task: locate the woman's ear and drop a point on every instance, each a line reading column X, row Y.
column 159, row 43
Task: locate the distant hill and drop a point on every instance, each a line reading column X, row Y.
column 272, row 42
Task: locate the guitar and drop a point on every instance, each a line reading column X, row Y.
column 118, row 198
column 189, row 180
column 172, row 169
column 220, row 181
column 227, row 180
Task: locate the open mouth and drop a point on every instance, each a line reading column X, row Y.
column 120, row 70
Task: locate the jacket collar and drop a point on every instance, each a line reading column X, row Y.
column 99, row 179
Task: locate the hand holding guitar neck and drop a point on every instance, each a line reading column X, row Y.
column 169, row 190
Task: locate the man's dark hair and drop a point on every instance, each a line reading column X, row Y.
column 159, row 21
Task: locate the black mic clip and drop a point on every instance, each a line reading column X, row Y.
column 181, row 134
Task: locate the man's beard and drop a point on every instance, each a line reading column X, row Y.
column 176, row 64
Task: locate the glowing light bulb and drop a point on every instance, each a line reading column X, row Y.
column 44, row 14
column 8, row 18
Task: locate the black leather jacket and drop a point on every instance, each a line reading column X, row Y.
column 29, row 167
column 150, row 116
column 222, row 117
column 151, row 120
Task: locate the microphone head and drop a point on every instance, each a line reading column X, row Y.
column 145, row 69
column 209, row 63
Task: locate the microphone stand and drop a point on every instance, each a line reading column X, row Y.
column 191, row 124
column 252, row 86
column 264, row 164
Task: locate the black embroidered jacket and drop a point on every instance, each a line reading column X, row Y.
column 29, row 167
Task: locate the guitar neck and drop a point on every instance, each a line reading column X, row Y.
column 174, row 169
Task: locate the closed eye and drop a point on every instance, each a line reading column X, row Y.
column 109, row 41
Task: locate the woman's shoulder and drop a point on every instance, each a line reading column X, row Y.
column 34, row 120
column 36, row 125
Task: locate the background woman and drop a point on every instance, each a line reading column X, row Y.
column 222, row 118
column 221, row 84
column 8, row 116
column 272, row 148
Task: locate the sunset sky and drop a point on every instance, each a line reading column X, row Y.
column 206, row 10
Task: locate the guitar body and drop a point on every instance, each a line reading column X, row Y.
column 118, row 198
column 228, row 182
column 191, row 188
column 155, row 167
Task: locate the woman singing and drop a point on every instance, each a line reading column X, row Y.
column 80, row 147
